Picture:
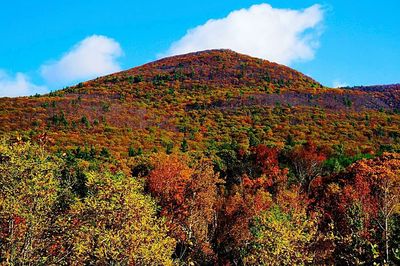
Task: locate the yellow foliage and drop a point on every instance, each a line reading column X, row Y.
column 281, row 238
column 117, row 224
column 29, row 187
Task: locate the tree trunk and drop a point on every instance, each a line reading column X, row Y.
column 386, row 240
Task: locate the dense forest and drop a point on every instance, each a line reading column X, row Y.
column 209, row 158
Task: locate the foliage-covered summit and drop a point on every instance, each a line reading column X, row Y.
column 202, row 100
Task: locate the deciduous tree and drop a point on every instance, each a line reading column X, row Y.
column 116, row 224
column 28, row 196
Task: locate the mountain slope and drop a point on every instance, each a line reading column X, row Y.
column 209, row 158
column 206, row 99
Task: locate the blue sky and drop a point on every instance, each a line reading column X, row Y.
column 46, row 43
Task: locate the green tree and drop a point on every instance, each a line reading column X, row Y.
column 131, row 151
column 184, row 146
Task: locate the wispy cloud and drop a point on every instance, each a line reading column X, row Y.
column 339, row 84
column 18, row 85
column 94, row 56
column 280, row 35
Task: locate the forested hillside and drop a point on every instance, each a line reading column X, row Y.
column 209, row 158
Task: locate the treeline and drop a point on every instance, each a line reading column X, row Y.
column 299, row 205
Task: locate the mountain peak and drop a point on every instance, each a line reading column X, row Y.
column 215, row 68
column 213, row 56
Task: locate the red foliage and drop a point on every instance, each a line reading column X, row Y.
column 307, row 162
column 266, row 158
column 168, row 180
column 18, row 220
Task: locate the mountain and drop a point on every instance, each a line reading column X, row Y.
column 206, row 98
column 209, row 158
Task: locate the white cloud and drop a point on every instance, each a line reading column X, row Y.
column 339, row 84
column 280, row 35
column 94, row 56
column 18, row 86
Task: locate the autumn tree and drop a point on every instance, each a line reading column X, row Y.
column 28, row 198
column 188, row 197
column 307, row 163
column 202, row 199
column 284, row 233
column 383, row 175
column 266, row 165
column 262, row 181
column 167, row 182
column 362, row 204
column 116, row 224
column 348, row 210
column 235, row 214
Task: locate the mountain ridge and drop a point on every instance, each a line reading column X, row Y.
column 202, row 98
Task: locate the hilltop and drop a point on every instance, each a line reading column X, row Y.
column 206, row 98
column 216, row 68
